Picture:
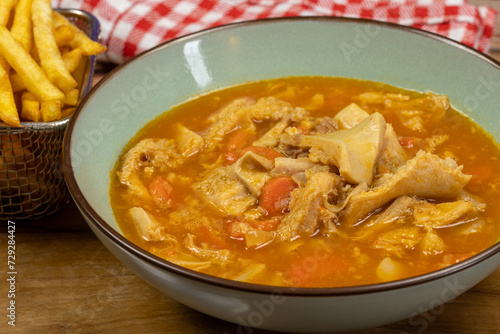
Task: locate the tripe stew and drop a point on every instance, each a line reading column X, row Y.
column 310, row 182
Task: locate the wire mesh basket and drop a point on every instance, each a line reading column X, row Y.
column 31, row 179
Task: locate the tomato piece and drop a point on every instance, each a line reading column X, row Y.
column 276, row 195
column 205, row 234
column 236, row 229
column 230, row 158
column 161, row 191
column 266, row 152
column 267, row 225
column 407, row 142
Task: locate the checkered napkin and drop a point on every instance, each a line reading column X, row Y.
column 129, row 27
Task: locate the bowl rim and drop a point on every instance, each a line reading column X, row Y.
column 119, row 240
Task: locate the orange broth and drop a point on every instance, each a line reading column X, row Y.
column 322, row 259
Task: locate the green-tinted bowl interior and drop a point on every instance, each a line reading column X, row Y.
column 152, row 83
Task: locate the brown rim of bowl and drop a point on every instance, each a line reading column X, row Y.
column 99, row 223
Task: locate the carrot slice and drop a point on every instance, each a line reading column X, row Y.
column 267, row 224
column 235, row 228
column 205, row 234
column 230, row 158
column 276, row 194
column 238, row 140
column 162, row 192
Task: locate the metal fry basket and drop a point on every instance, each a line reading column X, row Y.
column 31, row 179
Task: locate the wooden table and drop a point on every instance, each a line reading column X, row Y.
column 68, row 282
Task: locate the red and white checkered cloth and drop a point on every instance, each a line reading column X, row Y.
column 129, row 27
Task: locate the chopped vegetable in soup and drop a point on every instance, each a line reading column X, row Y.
column 310, row 182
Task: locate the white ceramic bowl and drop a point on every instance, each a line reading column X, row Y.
column 153, row 82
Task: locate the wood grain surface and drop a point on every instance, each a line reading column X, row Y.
column 68, row 282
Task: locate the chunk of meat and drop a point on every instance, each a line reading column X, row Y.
column 350, row 116
column 412, row 119
column 392, row 154
column 430, row 144
column 229, row 118
column 187, row 142
column 305, row 206
column 220, row 256
column 289, row 167
column 146, row 226
column 432, row 243
column 425, row 176
column 222, row 189
column 442, row 214
column 324, row 125
column 354, row 151
column 156, row 153
column 399, row 240
column 344, row 194
column 270, row 108
column 400, row 209
column 253, row 170
column 253, row 236
column 415, row 113
column 369, row 98
column 271, row 137
column 294, row 168
column 315, row 102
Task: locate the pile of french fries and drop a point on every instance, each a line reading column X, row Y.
column 41, row 61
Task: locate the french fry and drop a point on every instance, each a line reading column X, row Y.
column 71, row 98
column 16, row 82
column 80, row 72
column 63, row 35
column 28, row 70
column 42, row 60
column 89, row 47
column 5, row 9
column 72, row 59
column 8, row 109
column 51, row 110
column 34, row 55
column 50, row 57
column 21, row 28
column 67, row 111
column 30, row 107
